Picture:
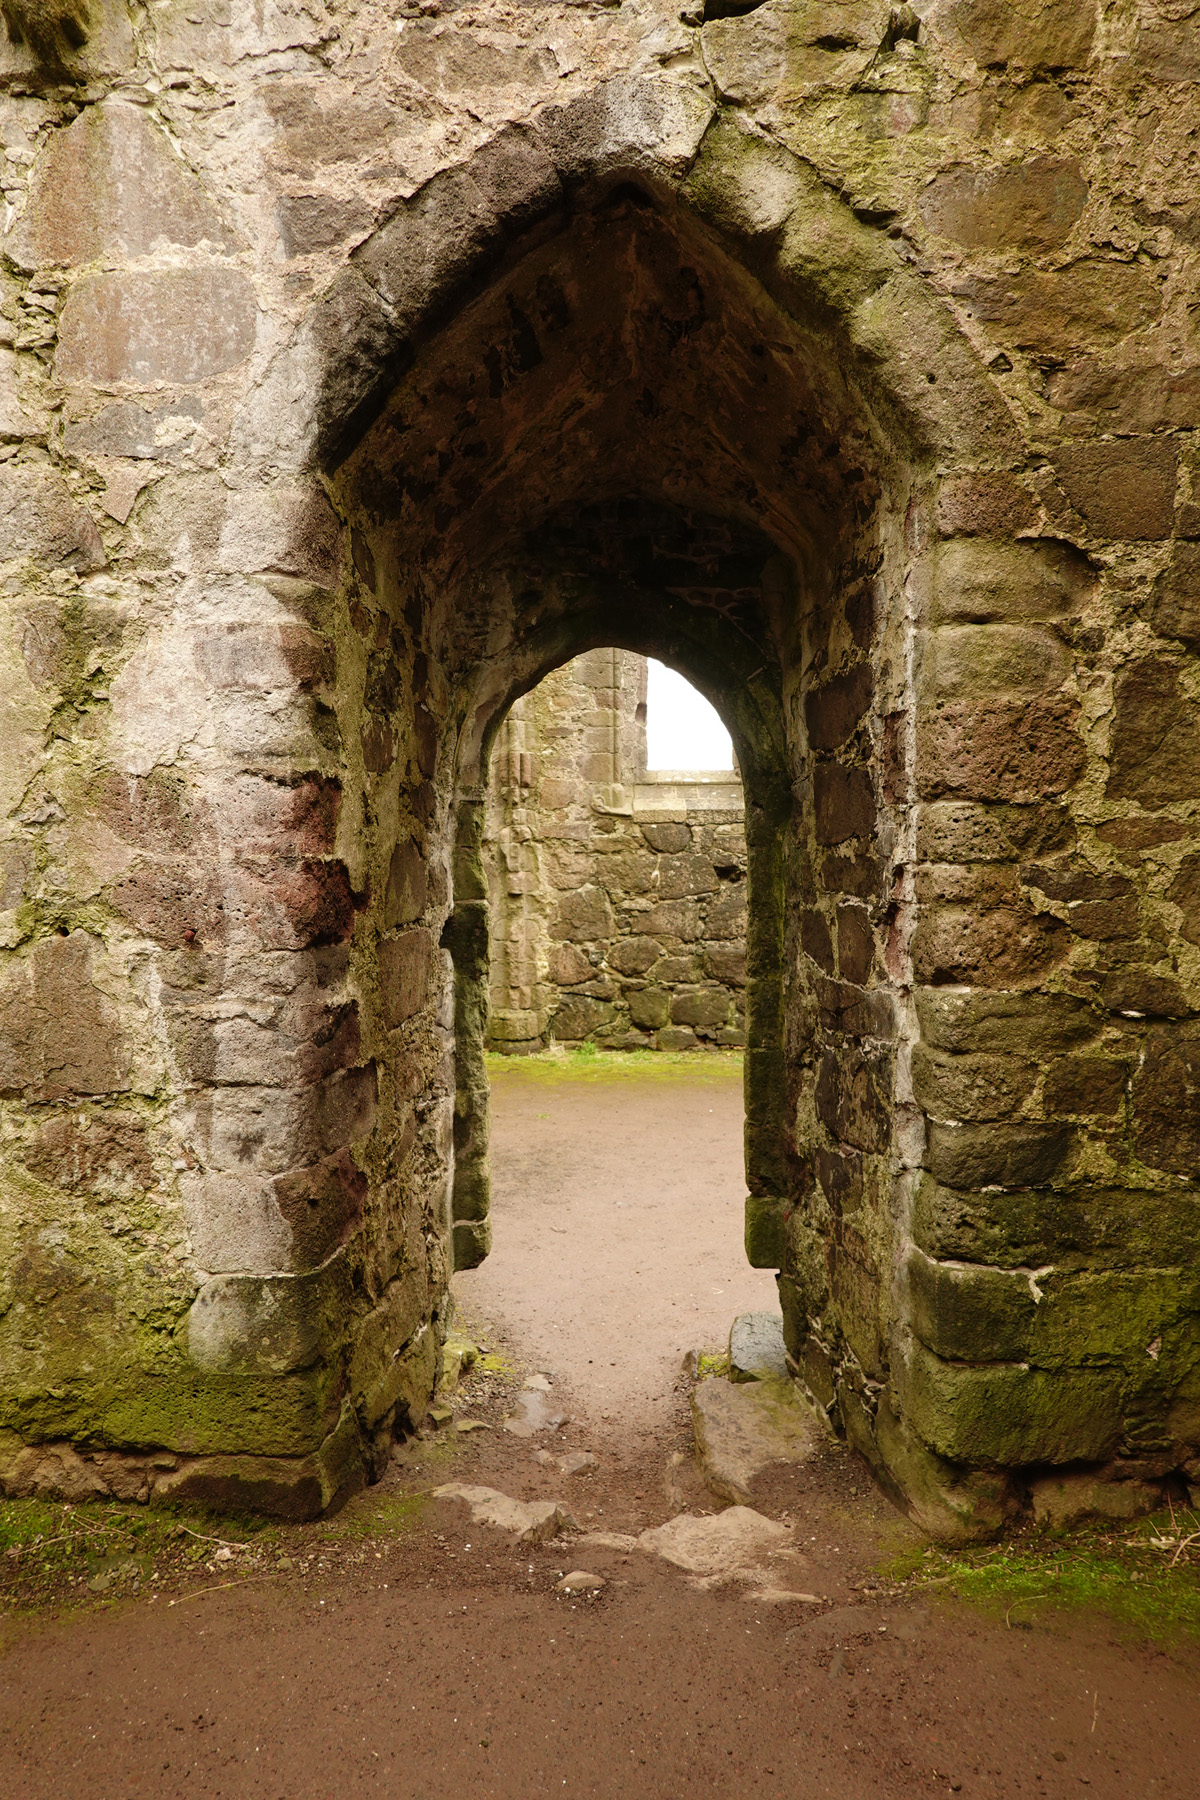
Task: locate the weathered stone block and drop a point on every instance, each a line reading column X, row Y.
column 975, row 1088
column 853, row 1096
column 1175, row 601
column 322, row 1205
column 765, row 1233
column 407, row 885
column 845, row 803
column 584, row 916
column 954, row 1504
column 112, row 184
column 856, row 944
column 1031, row 1025
column 1085, row 1084
column 1154, row 754
column 1184, row 892
column 405, row 967
column 260, row 1324
column 815, row 939
column 980, row 580
column 984, row 505
column 1010, row 1414
column 1090, row 305
column 668, row 837
column 567, row 965
column 1115, row 1226
column 701, row 1008
column 684, row 875
column 1030, row 206
column 650, row 1008
column 1063, row 1500
column 966, row 1314
column 1030, row 34
column 1022, row 750
column 310, row 223
column 40, row 518
column 633, row 955
column 993, row 948
column 1123, row 488
column 59, row 1034
column 726, row 965
column 381, row 1374
column 1166, row 1099
column 581, row 1017
column 725, row 916
column 292, row 1488
column 834, row 712
column 456, row 223
column 964, row 660
column 995, row 1155
column 145, row 326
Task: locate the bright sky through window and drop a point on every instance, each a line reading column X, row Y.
column 682, row 729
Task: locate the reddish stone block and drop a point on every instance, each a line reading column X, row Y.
column 100, row 1153
column 323, row 1205
column 984, row 505
column 405, row 966
column 1175, row 601
column 144, row 326
column 1030, row 206
column 1004, row 948
column 834, row 712
column 1021, row 750
column 844, row 803
column 58, row 1034
column 1154, row 751
column 1123, row 487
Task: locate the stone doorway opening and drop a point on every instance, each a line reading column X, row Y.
column 622, row 444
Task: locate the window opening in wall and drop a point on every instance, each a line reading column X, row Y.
column 683, row 731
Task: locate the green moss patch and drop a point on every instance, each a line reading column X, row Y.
column 51, row 1552
column 1144, row 1578
column 376, row 1515
column 586, row 1063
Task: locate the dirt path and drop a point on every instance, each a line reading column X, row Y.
column 402, row 1650
column 617, row 1218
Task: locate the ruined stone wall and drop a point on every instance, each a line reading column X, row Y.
column 617, row 898
column 358, row 369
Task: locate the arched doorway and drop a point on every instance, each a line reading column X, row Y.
column 620, row 438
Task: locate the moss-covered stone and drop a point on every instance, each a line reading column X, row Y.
column 766, row 1221
column 1009, row 1414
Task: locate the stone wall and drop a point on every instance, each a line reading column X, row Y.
column 618, row 897
column 358, row 369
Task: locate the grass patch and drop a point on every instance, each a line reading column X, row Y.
column 1144, row 1577
column 375, row 1514
column 53, row 1551
column 588, row 1062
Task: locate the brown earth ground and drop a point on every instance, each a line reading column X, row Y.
column 399, row 1650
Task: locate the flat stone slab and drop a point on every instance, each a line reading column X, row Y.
column 756, row 1346
column 534, row 1411
column 744, row 1429
column 529, row 1521
column 730, row 1543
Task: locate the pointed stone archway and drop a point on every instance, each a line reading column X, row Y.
column 632, row 375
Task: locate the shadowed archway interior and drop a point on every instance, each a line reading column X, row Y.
column 623, row 441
